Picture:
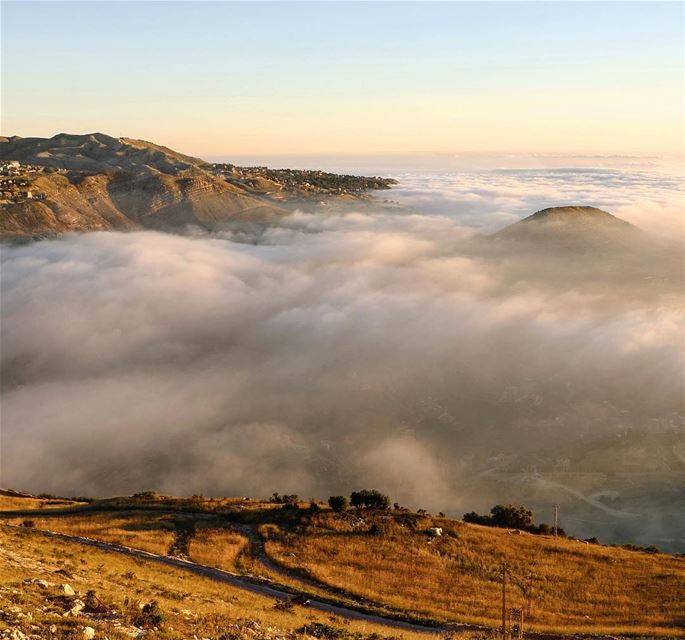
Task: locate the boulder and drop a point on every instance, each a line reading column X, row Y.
column 76, row 607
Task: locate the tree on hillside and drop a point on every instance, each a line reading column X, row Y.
column 338, row 503
column 508, row 516
column 475, row 518
column 369, row 499
column 285, row 499
column 512, row 516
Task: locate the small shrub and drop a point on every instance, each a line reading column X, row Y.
column 146, row 495
column 150, row 616
column 474, row 518
column 377, row 529
column 286, row 498
column 338, row 503
column 636, row 547
column 314, row 507
column 283, row 605
column 369, row 499
column 270, row 531
column 29, row 524
column 321, row 630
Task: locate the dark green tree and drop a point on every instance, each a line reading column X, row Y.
column 369, row 499
column 512, row 516
column 338, row 503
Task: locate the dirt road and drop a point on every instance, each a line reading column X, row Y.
column 242, row 582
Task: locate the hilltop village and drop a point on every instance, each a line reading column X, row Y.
column 286, row 183
column 95, row 182
column 16, row 182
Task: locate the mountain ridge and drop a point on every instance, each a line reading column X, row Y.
column 95, row 182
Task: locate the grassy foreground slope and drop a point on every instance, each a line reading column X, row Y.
column 564, row 585
column 34, row 605
column 11, row 500
column 388, row 561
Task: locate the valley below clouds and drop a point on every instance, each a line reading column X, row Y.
column 397, row 349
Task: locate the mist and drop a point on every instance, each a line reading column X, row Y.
column 334, row 351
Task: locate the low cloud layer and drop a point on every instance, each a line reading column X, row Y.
column 334, row 352
column 493, row 199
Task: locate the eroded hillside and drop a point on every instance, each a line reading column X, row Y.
column 96, row 183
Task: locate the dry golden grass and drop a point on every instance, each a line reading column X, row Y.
column 194, row 606
column 218, row 548
column 575, row 587
column 15, row 503
column 566, row 586
column 150, row 533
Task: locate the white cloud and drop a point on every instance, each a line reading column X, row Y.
column 323, row 355
column 492, row 199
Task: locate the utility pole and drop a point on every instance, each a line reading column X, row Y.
column 529, row 595
column 504, row 600
column 556, row 519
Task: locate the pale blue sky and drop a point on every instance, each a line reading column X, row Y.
column 228, row 77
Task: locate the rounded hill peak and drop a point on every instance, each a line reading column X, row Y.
column 573, row 225
column 573, row 213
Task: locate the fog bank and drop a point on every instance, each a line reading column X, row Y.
column 334, row 352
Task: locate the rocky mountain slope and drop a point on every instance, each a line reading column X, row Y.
column 95, row 182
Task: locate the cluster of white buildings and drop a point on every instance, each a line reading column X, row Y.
column 14, row 187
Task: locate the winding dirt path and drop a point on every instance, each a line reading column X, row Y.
column 242, row 582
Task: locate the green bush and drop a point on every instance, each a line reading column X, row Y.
column 369, row 499
column 277, row 498
column 338, row 503
column 150, row 615
column 321, row 630
column 512, row 516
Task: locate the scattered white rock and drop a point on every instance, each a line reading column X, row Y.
column 88, row 633
column 435, row 531
column 67, row 590
column 43, row 584
column 76, row 607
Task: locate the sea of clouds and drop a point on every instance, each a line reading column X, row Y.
column 334, row 351
column 489, row 200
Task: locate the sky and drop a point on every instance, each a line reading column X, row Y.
column 352, row 78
